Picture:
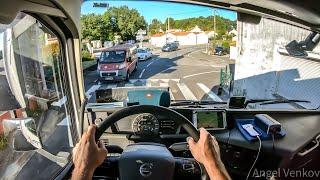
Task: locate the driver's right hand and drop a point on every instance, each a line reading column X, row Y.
column 88, row 155
column 206, row 149
column 207, row 152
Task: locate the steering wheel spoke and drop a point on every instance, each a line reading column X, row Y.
column 187, row 168
column 181, row 146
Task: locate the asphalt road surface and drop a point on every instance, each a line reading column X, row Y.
column 189, row 73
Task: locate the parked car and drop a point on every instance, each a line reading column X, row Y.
column 117, row 63
column 177, row 43
column 220, row 51
column 144, row 54
column 169, row 47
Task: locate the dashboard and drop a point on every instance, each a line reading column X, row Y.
column 296, row 149
column 149, row 125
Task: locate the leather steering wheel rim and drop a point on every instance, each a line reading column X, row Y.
column 132, row 110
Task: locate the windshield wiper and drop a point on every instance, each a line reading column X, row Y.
column 274, row 101
column 194, row 102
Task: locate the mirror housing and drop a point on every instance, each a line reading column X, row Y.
column 20, row 143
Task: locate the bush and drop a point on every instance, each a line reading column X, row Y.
column 86, row 56
column 225, row 44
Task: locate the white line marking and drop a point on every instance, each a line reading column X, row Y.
column 149, row 63
column 149, row 84
column 211, row 94
column 221, row 66
column 164, row 84
column 142, row 73
column 171, row 95
column 153, row 80
column 92, row 90
column 168, row 69
column 190, row 54
column 191, row 75
column 188, row 95
column 164, row 80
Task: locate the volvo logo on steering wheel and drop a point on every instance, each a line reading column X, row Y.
column 146, row 169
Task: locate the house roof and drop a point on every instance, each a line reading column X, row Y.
column 183, row 33
column 158, row 35
column 196, row 29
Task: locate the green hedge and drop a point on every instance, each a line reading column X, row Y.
column 86, row 56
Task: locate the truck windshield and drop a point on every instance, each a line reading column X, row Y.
column 112, row 56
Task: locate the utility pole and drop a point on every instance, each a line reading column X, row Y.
column 214, row 23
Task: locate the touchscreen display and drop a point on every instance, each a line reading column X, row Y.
column 210, row 119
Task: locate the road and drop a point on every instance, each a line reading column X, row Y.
column 188, row 72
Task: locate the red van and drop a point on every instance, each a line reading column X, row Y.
column 117, row 63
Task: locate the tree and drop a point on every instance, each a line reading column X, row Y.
column 93, row 27
column 155, row 26
column 124, row 21
column 205, row 23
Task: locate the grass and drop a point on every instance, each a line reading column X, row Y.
column 3, row 141
column 86, row 64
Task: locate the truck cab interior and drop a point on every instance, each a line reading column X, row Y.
column 46, row 103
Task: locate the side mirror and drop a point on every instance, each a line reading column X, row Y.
column 25, row 134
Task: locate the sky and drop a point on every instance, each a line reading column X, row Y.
column 160, row 10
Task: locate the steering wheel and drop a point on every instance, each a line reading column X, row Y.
column 152, row 160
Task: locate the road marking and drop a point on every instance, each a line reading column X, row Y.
column 163, row 84
column 142, row 73
column 173, row 68
column 221, row 66
column 190, row 54
column 211, row 94
column 92, row 90
column 153, row 80
column 188, row 95
column 191, row 75
column 152, row 61
column 149, row 63
column 171, row 95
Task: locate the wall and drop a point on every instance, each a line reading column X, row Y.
column 262, row 71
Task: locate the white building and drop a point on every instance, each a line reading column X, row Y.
column 211, row 34
column 193, row 37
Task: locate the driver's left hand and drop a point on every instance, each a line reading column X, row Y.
column 87, row 155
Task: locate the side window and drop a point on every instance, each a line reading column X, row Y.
column 34, row 54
